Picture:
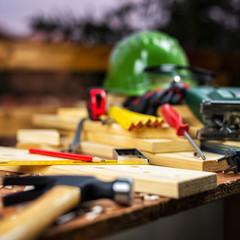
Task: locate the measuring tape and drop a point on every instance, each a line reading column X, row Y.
column 67, row 162
column 72, row 159
column 96, row 103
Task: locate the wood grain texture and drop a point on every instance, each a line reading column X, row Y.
column 171, row 182
column 87, row 148
column 14, row 118
column 47, row 136
column 72, row 112
column 27, row 145
column 96, row 149
column 53, row 121
column 183, row 160
column 80, row 112
column 150, row 145
column 186, row 160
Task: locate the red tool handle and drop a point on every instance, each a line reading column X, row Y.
column 174, row 119
column 62, row 154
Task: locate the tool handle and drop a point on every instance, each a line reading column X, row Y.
column 174, row 119
column 39, row 214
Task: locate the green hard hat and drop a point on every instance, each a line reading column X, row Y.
column 133, row 54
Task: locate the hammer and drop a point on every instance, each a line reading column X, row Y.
column 56, row 195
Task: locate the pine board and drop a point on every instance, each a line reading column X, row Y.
column 183, row 160
column 27, row 145
column 47, row 136
column 67, row 123
column 149, row 145
column 72, row 112
column 87, row 148
column 52, row 137
column 54, row 121
column 186, row 160
column 13, row 118
column 170, row 182
column 80, row 112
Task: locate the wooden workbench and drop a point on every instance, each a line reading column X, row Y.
column 114, row 218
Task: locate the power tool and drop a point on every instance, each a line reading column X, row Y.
column 219, row 109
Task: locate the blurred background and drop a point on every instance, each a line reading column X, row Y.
column 51, row 51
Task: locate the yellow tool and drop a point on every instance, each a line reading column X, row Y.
column 69, row 162
column 130, row 120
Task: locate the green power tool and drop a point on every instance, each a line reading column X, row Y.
column 219, row 109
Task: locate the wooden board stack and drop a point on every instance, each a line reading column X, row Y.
column 169, row 182
column 13, row 118
column 161, row 145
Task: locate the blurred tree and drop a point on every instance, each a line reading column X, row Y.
column 206, row 23
column 198, row 23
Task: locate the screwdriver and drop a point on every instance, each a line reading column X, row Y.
column 174, row 119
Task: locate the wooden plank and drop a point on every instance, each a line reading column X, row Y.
column 47, row 136
column 87, row 148
column 27, row 145
column 53, row 121
column 186, row 160
column 183, row 160
column 15, row 55
column 171, row 182
column 81, row 112
column 150, row 145
column 52, row 137
column 14, row 118
column 72, row 112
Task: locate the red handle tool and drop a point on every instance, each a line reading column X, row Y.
column 174, row 119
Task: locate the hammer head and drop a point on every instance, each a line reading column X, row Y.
column 120, row 190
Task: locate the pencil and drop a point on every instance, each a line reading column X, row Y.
column 66, row 155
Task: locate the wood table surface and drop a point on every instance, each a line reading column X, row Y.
column 110, row 218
